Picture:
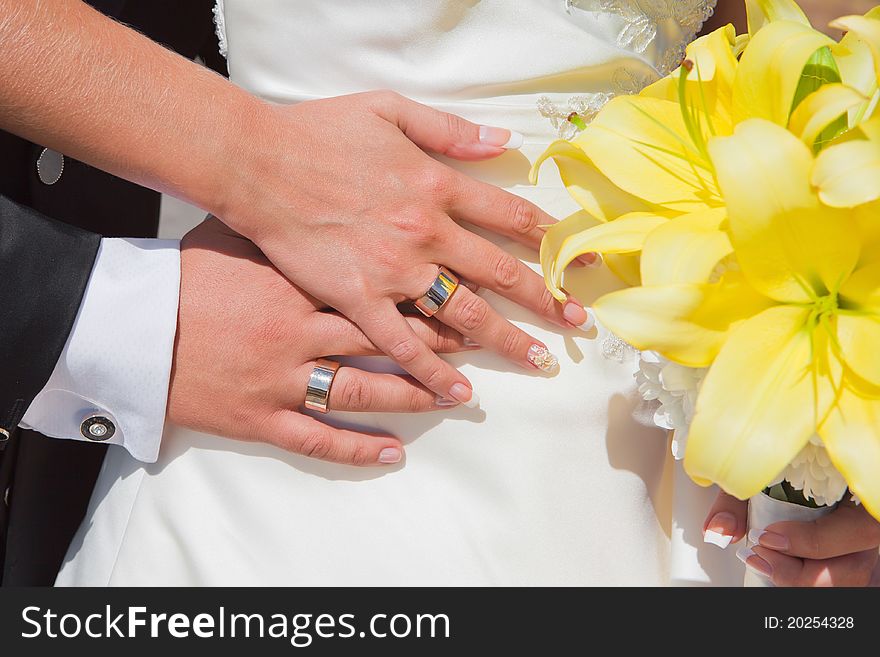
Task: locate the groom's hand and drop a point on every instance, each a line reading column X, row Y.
column 342, row 197
column 247, row 341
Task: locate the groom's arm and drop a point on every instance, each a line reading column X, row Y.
column 88, row 330
column 44, row 269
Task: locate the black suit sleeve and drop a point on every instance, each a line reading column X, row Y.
column 44, row 268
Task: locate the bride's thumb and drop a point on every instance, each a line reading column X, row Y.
column 447, row 134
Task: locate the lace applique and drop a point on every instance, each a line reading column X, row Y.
column 220, row 27
column 642, row 21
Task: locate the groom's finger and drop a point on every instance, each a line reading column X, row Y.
column 357, row 391
column 304, row 435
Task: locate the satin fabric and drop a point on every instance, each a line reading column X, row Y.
column 553, row 481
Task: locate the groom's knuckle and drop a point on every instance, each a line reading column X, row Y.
column 359, row 454
column 472, row 313
column 357, row 395
column 317, row 443
column 507, row 273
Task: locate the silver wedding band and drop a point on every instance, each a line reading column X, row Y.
column 320, row 382
column 443, row 287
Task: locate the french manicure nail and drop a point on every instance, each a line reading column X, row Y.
column 717, row 538
column 541, row 358
column 444, row 402
column 500, row 137
column 464, row 395
column 753, row 561
column 578, row 316
column 769, row 540
column 390, row 455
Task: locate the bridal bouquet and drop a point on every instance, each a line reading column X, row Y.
column 739, row 197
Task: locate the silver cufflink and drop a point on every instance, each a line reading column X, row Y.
column 50, row 166
column 98, row 428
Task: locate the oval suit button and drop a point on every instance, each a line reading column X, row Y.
column 98, row 428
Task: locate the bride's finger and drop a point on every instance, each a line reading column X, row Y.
column 340, row 336
column 492, row 267
column 472, row 316
column 304, row 435
column 357, row 391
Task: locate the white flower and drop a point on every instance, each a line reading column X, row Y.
column 676, row 388
column 812, row 472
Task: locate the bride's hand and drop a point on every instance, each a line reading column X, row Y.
column 247, row 342
column 342, row 198
column 840, row 549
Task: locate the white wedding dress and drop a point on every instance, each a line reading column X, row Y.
column 553, row 481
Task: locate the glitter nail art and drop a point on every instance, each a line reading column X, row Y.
column 540, row 357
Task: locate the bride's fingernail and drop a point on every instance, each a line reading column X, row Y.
column 541, row 358
column 717, row 539
column 754, row 562
column 500, row 137
column 390, row 455
column 769, row 540
column 578, row 316
column 464, row 395
column 720, row 530
column 444, row 402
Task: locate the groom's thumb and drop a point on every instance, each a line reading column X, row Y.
column 444, row 133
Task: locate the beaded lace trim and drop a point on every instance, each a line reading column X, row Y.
column 220, row 27
column 642, row 20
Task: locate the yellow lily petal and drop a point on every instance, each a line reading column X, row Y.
column 861, row 291
column 770, row 71
column 687, row 323
column 627, row 267
column 865, row 28
column 686, row 249
column 869, row 229
column 587, row 185
column 762, row 12
column 624, row 235
column 851, row 437
column 551, row 245
column 857, row 65
column 821, row 108
column 709, row 82
column 848, row 174
column 859, row 337
column 643, row 147
column 790, row 247
column 757, row 407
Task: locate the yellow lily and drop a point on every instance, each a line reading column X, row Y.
column 647, row 155
column 791, row 338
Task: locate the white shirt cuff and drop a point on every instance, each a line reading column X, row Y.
column 117, row 361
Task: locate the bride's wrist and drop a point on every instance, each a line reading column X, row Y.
column 246, row 175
